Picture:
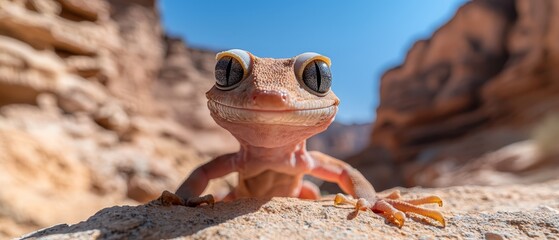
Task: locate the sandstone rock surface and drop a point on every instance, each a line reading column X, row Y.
column 341, row 140
column 80, row 125
column 485, row 80
column 186, row 100
column 505, row 212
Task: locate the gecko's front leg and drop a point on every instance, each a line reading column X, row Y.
column 351, row 181
column 188, row 194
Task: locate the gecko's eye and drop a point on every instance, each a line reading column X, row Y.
column 228, row 72
column 317, row 76
column 232, row 67
column 313, row 70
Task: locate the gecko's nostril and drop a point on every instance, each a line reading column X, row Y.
column 270, row 100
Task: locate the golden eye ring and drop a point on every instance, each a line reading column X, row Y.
column 313, row 72
column 231, row 68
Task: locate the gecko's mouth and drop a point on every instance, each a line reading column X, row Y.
column 296, row 117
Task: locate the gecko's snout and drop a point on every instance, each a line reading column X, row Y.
column 270, row 100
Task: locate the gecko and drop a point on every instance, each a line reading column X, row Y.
column 271, row 106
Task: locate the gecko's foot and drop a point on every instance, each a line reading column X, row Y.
column 169, row 199
column 197, row 201
column 394, row 209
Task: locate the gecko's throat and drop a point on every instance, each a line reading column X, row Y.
column 295, row 117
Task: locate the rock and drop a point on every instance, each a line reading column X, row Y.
column 482, row 82
column 186, row 76
column 49, row 158
column 505, row 212
column 493, row 236
column 139, row 27
column 341, row 140
column 421, row 100
column 80, row 128
column 502, row 166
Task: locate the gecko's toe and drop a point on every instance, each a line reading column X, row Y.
column 342, row 199
column 388, row 211
column 197, row 201
column 426, row 200
column 394, row 209
column 409, row 206
column 169, row 199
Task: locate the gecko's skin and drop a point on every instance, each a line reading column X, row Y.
column 272, row 106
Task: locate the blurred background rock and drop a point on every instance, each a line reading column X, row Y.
column 92, row 109
column 476, row 103
column 99, row 107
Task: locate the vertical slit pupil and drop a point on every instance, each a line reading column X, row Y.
column 228, row 71
column 318, row 77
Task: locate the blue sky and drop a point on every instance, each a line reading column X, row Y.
column 362, row 38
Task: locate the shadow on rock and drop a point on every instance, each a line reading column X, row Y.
column 151, row 221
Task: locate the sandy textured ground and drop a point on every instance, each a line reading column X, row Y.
column 472, row 212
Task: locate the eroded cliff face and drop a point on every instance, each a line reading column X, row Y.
column 186, row 100
column 80, row 125
column 483, row 81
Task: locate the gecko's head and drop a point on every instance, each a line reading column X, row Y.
column 272, row 102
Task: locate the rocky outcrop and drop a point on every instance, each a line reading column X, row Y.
column 141, row 36
column 482, row 82
column 74, row 166
column 80, row 125
column 186, row 100
column 341, row 140
column 506, row 212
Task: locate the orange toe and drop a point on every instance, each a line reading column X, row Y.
column 391, row 214
column 407, row 208
column 426, row 200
